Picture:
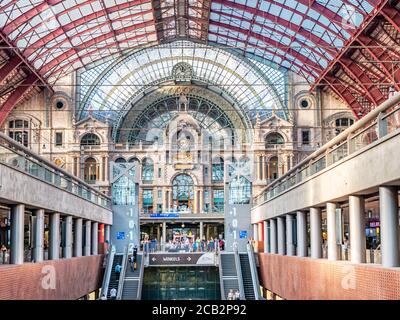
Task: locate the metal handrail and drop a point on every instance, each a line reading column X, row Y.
column 141, row 275
column 122, row 275
column 108, row 271
column 27, row 152
column 239, row 274
column 221, row 279
column 343, row 136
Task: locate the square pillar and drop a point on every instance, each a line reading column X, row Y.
column 316, row 233
column 38, row 235
column 255, row 232
column 302, row 234
column 274, row 247
column 281, row 236
column 331, row 225
column 54, row 236
column 290, row 248
column 389, row 208
column 95, row 238
column 357, row 229
column 87, row 247
column 266, row 237
column 17, row 234
column 78, row 237
column 68, row 238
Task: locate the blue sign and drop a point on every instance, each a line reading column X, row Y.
column 120, row 235
column 164, row 215
column 243, row 234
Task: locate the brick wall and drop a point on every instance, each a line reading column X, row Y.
column 63, row 279
column 297, row 278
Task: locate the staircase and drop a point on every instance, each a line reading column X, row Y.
column 228, row 274
column 132, row 286
column 246, row 276
column 113, row 283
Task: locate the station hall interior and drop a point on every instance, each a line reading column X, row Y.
column 199, row 149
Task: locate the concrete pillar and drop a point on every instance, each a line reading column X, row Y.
column 164, row 233
column 302, row 234
column 54, row 236
column 17, row 234
column 95, row 238
column 266, row 237
column 38, row 235
column 274, row 247
column 78, row 237
column 389, row 208
column 201, row 230
column 68, row 238
column 107, row 233
column 290, row 248
column 281, row 236
column 332, row 231
column 88, row 226
column 255, row 232
column 316, row 233
column 357, row 229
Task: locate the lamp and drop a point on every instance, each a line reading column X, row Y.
column 183, row 225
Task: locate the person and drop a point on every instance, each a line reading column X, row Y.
column 237, row 295
column 117, row 270
column 113, row 293
column 3, row 253
column 230, row 295
column 134, row 257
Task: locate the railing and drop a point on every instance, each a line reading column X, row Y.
column 16, row 156
column 239, row 273
column 253, row 270
column 380, row 122
column 107, row 272
column 121, row 282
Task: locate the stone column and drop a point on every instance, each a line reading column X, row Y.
column 54, row 236
column 302, row 234
column 95, row 238
column 17, row 234
column 87, row 248
column 78, row 237
column 332, row 231
column 201, row 230
column 266, row 237
column 164, row 233
column 255, row 232
column 201, row 200
column 68, row 237
column 274, row 247
column 389, row 208
column 357, row 229
column 107, row 233
column 38, row 235
column 316, row 233
column 281, row 236
column 290, row 248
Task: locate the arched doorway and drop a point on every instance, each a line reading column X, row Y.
column 183, row 193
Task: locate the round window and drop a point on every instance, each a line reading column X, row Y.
column 304, row 103
column 59, row 104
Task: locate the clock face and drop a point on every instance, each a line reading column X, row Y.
column 58, row 162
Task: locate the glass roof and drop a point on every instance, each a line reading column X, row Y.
column 109, row 90
column 60, row 36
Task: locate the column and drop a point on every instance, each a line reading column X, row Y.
column 290, row 249
column 281, row 236
column 274, row 247
column 302, row 234
column 357, row 229
column 78, row 237
column 264, row 168
column 38, row 235
column 88, row 225
column 259, row 166
column 316, row 233
column 389, row 208
column 107, row 233
column 201, row 200
column 68, row 238
column 331, row 229
column 201, row 230
column 54, row 236
column 255, row 232
column 95, row 238
column 164, row 233
column 17, row 234
column 266, row 237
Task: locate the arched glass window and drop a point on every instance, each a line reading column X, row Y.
column 218, row 170
column 342, row 124
column 183, row 193
column 273, row 139
column 90, row 139
column 91, row 173
column 147, row 170
column 273, row 168
column 120, row 160
column 19, row 131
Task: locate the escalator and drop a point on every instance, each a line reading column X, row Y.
column 113, row 282
column 246, row 276
column 229, row 279
column 133, row 280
